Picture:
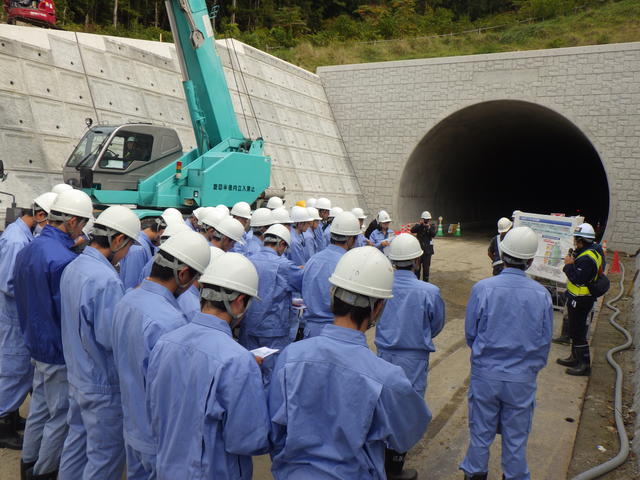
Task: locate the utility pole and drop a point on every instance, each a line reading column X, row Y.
column 115, row 13
column 233, row 11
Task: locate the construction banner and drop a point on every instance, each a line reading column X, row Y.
column 555, row 239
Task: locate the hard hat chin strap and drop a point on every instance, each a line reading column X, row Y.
column 110, row 233
column 175, row 265
column 64, row 219
column 226, row 298
column 356, row 300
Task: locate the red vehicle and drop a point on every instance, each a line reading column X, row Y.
column 41, row 13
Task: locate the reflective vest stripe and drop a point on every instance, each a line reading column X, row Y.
column 582, row 290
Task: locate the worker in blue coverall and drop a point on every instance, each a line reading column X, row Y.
column 334, row 405
column 508, row 326
column 405, row 331
column 16, row 371
column 324, row 207
column 142, row 316
column 327, row 231
column 260, row 221
column 132, row 265
column 301, row 248
column 37, row 275
column 166, row 233
column 241, row 211
column 311, row 235
column 211, row 431
column 361, row 240
column 267, row 322
column 581, row 268
column 381, row 237
column 315, row 280
column 89, row 290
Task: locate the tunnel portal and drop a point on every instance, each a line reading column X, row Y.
column 489, row 159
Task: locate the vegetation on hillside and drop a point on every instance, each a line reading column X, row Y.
column 311, row 33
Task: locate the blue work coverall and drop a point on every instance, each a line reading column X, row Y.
column 37, row 274
column 266, row 322
column 142, row 316
column 508, row 326
column 310, row 242
column 211, row 431
column 133, row 263
column 16, row 371
column 335, row 406
column 316, row 288
column 361, row 241
column 377, row 237
column 408, row 324
column 299, row 252
column 320, row 238
column 252, row 244
column 94, row 449
column 189, row 302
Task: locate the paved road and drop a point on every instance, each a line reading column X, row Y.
column 457, row 265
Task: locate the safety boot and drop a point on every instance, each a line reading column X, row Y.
column 394, row 467
column 571, row 360
column 26, row 470
column 18, row 421
column 477, row 476
column 564, row 338
column 45, row 476
column 9, row 437
column 583, row 368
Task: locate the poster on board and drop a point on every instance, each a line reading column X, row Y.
column 555, row 239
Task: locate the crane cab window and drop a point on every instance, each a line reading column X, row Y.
column 126, row 148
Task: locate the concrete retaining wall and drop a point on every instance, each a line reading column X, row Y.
column 50, row 81
column 636, row 379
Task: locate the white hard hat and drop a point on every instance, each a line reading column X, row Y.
column 345, row 224
column 189, row 248
column 586, row 231
column 211, row 218
column 313, row 212
column 359, row 213
column 280, row 215
column 234, row 272
column 404, row 247
column 365, row 271
column 173, row 229
column 520, row 243
column 73, row 202
column 300, row 214
column 504, row 224
column 241, row 209
column 311, row 202
column 279, row 231
column 215, row 253
column 45, row 201
column 261, row 217
column 232, row 228
column 198, row 211
column 383, row 217
column 335, row 211
column 323, row 204
column 222, row 208
column 121, row 219
column 61, row 187
column 425, row 215
column 275, row 202
column 171, row 215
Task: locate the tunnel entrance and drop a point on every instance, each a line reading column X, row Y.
column 486, row 160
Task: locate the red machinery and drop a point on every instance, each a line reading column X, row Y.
column 41, row 13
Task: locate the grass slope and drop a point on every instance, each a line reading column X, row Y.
column 611, row 23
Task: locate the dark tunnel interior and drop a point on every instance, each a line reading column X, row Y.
column 489, row 159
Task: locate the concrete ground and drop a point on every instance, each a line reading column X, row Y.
column 457, row 265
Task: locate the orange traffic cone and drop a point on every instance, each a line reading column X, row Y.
column 615, row 265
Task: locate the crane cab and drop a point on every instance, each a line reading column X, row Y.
column 112, row 157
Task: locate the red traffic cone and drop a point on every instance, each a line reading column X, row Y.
column 615, row 265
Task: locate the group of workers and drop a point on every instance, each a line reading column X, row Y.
column 180, row 348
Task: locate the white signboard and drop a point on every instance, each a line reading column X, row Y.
column 556, row 238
